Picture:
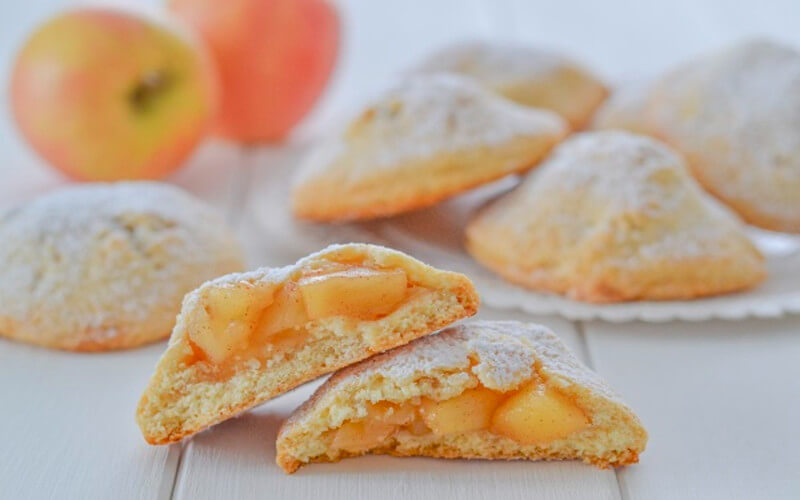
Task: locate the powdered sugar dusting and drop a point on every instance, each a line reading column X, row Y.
column 621, row 168
column 428, row 115
column 98, row 258
column 735, row 113
column 623, row 183
column 503, row 353
column 749, row 94
column 500, row 354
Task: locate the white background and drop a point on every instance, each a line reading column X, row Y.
column 721, row 400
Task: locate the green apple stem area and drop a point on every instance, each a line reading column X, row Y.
column 144, row 94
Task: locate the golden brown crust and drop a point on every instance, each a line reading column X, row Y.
column 628, row 456
column 427, row 182
column 89, row 340
column 683, row 280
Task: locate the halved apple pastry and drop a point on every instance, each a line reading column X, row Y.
column 487, row 389
column 247, row 337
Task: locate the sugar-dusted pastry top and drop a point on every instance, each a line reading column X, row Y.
column 735, row 115
column 615, row 174
column 527, row 75
column 92, row 263
column 429, row 138
column 427, row 115
column 614, row 211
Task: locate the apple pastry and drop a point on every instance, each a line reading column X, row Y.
column 243, row 339
column 432, row 137
column 734, row 114
column 486, row 389
column 526, row 75
column 613, row 216
column 105, row 266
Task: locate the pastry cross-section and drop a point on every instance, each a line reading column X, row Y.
column 527, row 75
column 428, row 139
column 613, row 216
column 245, row 338
column 486, row 389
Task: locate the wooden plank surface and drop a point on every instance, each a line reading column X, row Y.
column 719, row 399
column 67, row 428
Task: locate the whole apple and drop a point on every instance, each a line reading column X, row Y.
column 273, row 58
column 106, row 95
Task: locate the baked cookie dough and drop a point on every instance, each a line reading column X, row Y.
column 429, row 139
column 526, row 75
column 105, row 266
column 612, row 216
column 735, row 115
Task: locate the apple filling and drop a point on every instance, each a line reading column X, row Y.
column 247, row 322
column 535, row 414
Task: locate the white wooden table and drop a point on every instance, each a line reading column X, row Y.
column 721, row 400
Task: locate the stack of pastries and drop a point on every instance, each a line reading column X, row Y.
column 647, row 205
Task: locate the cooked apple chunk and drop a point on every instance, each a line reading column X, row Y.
column 231, row 312
column 534, row 414
column 496, row 390
column 356, row 292
column 538, row 414
column 382, row 420
column 471, row 410
column 355, row 437
column 246, row 338
column 287, row 311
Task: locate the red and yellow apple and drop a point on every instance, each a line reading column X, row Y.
column 273, row 59
column 106, row 95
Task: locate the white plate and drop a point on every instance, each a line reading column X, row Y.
column 435, row 235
